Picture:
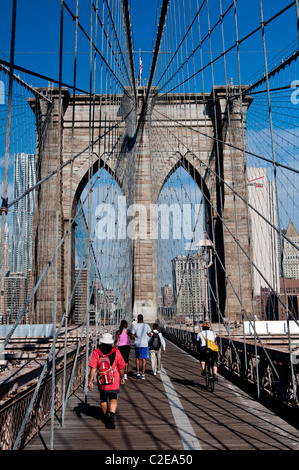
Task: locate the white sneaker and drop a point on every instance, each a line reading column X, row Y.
column 138, row 375
column 143, row 377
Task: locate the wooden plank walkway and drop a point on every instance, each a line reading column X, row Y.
column 172, row 411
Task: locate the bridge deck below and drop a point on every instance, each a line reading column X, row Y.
column 171, row 411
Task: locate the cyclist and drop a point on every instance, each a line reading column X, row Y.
column 204, row 352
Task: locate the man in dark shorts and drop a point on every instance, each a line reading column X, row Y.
column 141, row 332
column 108, row 391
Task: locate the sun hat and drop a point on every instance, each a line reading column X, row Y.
column 107, row 338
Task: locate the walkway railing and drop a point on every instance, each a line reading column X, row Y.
column 240, row 361
column 15, row 429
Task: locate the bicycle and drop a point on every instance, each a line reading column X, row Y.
column 209, row 377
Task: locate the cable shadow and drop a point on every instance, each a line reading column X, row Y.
column 89, row 410
column 189, row 383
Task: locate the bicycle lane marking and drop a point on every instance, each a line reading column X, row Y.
column 187, row 434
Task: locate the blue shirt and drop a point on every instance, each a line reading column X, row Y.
column 140, row 331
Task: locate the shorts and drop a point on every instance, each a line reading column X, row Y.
column 142, row 353
column 105, row 394
column 125, row 351
column 205, row 353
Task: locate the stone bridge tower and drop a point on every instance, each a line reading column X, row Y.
column 206, row 137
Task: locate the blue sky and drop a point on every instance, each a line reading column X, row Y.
column 37, row 39
column 37, row 49
column 37, row 44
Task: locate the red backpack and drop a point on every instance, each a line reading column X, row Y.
column 105, row 370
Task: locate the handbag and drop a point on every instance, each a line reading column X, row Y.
column 211, row 344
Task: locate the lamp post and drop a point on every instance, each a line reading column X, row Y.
column 206, row 259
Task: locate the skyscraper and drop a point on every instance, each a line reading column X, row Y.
column 189, row 287
column 265, row 254
column 23, row 210
column 167, row 295
column 5, row 249
column 81, row 296
column 290, row 254
column 4, row 263
column 14, row 297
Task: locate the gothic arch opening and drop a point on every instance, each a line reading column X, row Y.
column 100, row 208
column 180, row 227
column 194, row 202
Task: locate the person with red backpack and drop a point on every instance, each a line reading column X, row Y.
column 108, row 363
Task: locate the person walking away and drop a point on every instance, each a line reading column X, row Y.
column 205, row 340
column 109, row 364
column 140, row 333
column 156, row 346
column 122, row 342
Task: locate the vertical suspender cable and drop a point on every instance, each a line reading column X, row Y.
column 276, row 188
column 59, row 154
column 248, row 231
column 54, row 341
column 88, row 234
column 297, row 15
column 70, row 208
column 8, row 135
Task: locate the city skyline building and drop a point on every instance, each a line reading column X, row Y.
column 167, row 296
column 15, row 288
column 265, row 247
column 23, row 211
column 290, row 254
column 189, row 287
column 5, row 250
column 4, row 263
column 80, row 296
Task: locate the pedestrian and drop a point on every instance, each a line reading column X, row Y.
column 109, row 377
column 156, row 346
column 122, row 342
column 141, row 332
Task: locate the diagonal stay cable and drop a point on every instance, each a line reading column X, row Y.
column 233, row 46
column 46, row 366
column 233, row 236
column 39, row 75
column 129, row 43
column 234, row 191
column 32, row 188
column 157, row 48
column 25, row 85
column 95, row 47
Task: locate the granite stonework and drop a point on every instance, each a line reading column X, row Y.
column 141, row 148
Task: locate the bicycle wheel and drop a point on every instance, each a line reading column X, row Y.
column 209, row 377
column 212, row 383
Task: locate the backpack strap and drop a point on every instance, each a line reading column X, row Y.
column 112, row 351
